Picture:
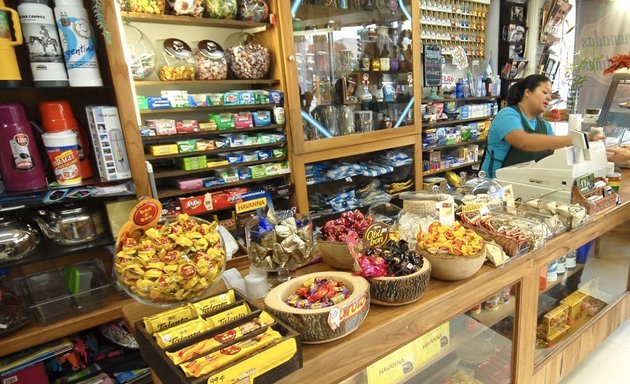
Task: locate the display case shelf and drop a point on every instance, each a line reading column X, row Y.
column 191, row 21
column 179, row 83
column 202, row 134
column 429, row 173
column 172, row 192
column 320, row 15
column 157, row 174
column 565, row 277
column 218, row 108
column 439, row 147
column 461, row 100
column 443, row 123
column 279, row 144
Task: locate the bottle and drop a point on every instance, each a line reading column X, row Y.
column 78, row 43
column 20, row 164
column 42, row 41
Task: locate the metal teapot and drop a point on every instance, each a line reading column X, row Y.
column 17, row 239
column 70, row 225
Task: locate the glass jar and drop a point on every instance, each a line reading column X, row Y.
column 221, row 9
column 253, row 10
column 175, row 60
column 247, row 59
column 141, row 54
column 210, row 61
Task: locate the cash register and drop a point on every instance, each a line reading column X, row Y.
column 552, row 178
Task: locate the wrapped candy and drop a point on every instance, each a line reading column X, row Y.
column 394, row 259
column 351, row 221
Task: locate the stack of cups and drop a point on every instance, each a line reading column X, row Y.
column 67, row 153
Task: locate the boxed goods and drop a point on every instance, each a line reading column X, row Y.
column 575, row 302
column 262, row 118
column 188, row 184
column 164, row 149
column 223, row 120
column 204, row 145
column 186, row 146
column 215, row 99
column 197, row 204
column 246, row 97
column 187, row 126
column 158, row 102
column 198, row 100
column 555, row 322
column 178, row 99
column 236, row 341
column 108, row 142
column 243, row 120
column 229, row 175
column 192, row 163
column 142, row 102
column 162, row 126
column 257, row 171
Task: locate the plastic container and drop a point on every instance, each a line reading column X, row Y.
column 221, row 9
column 20, row 164
column 141, row 58
column 44, row 46
column 77, row 40
column 210, row 60
column 175, row 60
column 64, row 156
column 50, row 299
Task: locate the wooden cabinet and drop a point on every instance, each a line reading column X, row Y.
column 345, row 98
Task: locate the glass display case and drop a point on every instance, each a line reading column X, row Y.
column 576, row 288
column 354, row 66
column 474, row 347
column 616, row 109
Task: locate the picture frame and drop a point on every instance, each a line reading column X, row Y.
column 517, row 14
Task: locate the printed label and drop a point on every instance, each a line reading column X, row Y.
column 22, row 160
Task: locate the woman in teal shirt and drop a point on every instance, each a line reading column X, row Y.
column 518, row 133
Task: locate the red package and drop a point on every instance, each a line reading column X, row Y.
column 197, row 204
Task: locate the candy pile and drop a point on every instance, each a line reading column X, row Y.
column 318, row 292
column 394, row 259
column 455, row 240
column 171, row 263
column 351, row 221
column 274, row 244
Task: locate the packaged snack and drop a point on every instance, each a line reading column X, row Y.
column 186, row 146
column 162, row 126
column 181, row 332
column 261, row 118
column 213, row 303
column 210, row 60
column 170, row 318
column 187, row 126
column 164, row 149
column 243, row 120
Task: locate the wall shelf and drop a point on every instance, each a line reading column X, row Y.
column 191, row 21
column 175, row 173
column 179, row 83
column 173, row 192
column 215, row 151
column 202, row 134
column 429, row 173
column 431, row 149
column 218, row 108
column 455, row 122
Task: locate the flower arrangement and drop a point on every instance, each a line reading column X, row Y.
column 618, row 62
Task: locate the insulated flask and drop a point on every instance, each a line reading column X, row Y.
column 20, row 164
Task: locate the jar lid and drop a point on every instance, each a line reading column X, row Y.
column 177, row 48
column 613, row 174
column 210, row 49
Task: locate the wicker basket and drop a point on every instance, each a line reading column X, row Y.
column 511, row 247
column 594, row 207
column 336, row 254
column 453, row 267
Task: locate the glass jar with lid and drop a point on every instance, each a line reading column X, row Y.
column 175, row 60
column 141, row 54
column 210, row 61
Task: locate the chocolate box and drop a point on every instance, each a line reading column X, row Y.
column 555, row 322
column 575, row 302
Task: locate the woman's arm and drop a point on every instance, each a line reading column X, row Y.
column 534, row 142
column 619, row 155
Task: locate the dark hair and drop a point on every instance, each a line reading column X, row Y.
column 517, row 90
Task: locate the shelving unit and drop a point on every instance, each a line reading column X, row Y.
column 222, row 108
column 444, row 123
column 202, row 134
column 172, row 192
column 190, row 21
column 216, row 151
column 439, row 147
column 176, row 173
column 430, row 173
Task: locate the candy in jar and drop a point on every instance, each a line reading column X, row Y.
column 253, row 10
column 210, row 60
column 175, row 60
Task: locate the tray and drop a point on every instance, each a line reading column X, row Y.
column 511, row 246
column 601, row 205
column 168, row 372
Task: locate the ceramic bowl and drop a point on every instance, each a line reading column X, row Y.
column 446, row 266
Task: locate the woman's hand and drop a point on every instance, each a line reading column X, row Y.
column 618, row 155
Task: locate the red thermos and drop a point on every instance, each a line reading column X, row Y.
column 20, row 164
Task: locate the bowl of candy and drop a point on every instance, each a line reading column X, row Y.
column 455, row 252
column 167, row 262
column 322, row 306
column 332, row 243
column 397, row 275
column 279, row 242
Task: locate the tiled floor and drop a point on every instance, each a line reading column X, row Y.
column 608, row 363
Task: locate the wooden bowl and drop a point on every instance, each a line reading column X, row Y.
column 454, row 267
column 335, row 254
column 324, row 324
column 400, row 290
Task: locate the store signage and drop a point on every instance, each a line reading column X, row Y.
column 252, row 201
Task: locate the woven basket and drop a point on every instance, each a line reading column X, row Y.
column 606, row 202
column 336, row 254
column 445, row 266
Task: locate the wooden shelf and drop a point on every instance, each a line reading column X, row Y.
column 455, row 122
column 172, row 192
column 429, row 173
column 35, row 334
column 490, row 318
column 201, row 134
column 431, row 149
column 219, row 108
column 191, row 21
column 461, row 100
column 319, row 15
column 279, row 144
column 561, row 279
column 179, row 83
column 176, row 173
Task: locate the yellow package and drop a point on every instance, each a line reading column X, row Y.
column 168, row 319
column 228, row 336
column 215, row 360
column 164, row 149
column 213, row 303
column 228, row 315
column 181, row 332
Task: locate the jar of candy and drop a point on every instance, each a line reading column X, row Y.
column 221, row 9
column 253, row 10
column 175, row 60
column 141, row 56
column 210, row 61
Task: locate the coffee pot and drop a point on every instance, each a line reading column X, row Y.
column 70, row 225
column 9, row 70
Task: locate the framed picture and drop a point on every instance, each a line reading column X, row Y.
column 350, row 84
column 550, row 66
column 516, row 33
column 517, row 14
column 516, row 51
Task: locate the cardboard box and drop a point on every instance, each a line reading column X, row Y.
column 196, row 204
column 555, row 322
column 164, row 149
column 108, row 142
column 35, row 373
column 192, row 163
column 575, row 302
